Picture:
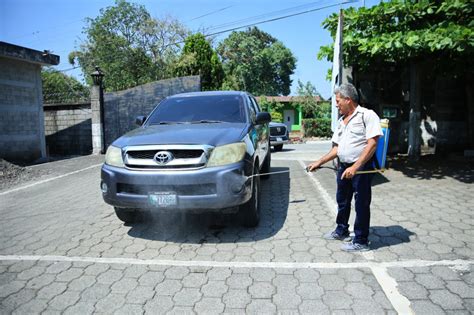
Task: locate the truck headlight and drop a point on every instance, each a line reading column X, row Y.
column 113, row 157
column 227, row 154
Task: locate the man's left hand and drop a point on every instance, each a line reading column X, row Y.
column 349, row 172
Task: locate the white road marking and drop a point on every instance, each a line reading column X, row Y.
column 327, row 199
column 389, row 286
column 243, row 264
column 47, row 180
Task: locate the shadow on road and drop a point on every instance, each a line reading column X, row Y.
column 285, row 149
column 383, row 236
column 379, row 179
column 435, row 167
column 198, row 228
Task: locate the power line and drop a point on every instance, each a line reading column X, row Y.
column 270, row 20
column 216, row 11
column 65, row 70
column 268, row 14
column 281, row 17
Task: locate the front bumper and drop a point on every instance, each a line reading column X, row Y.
column 200, row 189
column 277, row 140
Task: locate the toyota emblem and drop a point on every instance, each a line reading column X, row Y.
column 163, row 157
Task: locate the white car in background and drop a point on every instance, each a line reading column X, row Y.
column 279, row 135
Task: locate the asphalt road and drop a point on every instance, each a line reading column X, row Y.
column 62, row 250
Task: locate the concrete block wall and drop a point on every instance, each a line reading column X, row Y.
column 122, row 107
column 68, row 129
column 21, row 113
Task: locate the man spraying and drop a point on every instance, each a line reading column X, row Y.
column 354, row 144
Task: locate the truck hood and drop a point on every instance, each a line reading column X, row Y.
column 214, row 134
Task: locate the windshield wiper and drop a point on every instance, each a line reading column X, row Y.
column 204, row 121
column 167, row 123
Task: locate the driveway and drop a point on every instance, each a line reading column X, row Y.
column 63, row 250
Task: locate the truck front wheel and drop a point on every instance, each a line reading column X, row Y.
column 250, row 211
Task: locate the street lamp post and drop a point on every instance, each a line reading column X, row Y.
column 97, row 107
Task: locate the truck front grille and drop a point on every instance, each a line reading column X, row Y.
column 178, row 154
column 277, row 131
column 173, row 157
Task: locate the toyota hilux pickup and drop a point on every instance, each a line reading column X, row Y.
column 200, row 151
column 279, row 135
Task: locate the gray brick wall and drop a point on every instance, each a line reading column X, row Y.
column 68, row 129
column 21, row 115
column 122, row 107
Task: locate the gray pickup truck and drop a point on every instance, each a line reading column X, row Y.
column 201, row 151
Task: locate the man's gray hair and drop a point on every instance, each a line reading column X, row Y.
column 347, row 90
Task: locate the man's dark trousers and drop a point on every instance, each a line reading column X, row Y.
column 360, row 187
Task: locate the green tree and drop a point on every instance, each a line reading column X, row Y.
column 308, row 99
column 129, row 45
column 255, row 61
column 61, row 88
column 198, row 58
column 273, row 107
column 397, row 31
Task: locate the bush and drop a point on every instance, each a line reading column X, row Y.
column 276, row 116
column 319, row 127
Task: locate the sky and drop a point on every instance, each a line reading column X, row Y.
column 57, row 26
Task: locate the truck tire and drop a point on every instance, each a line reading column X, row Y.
column 266, row 165
column 127, row 215
column 250, row 211
column 278, row 147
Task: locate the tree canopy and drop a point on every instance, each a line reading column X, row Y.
column 129, row 45
column 61, row 88
column 198, row 58
column 255, row 61
column 401, row 30
column 307, row 98
column 133, row 48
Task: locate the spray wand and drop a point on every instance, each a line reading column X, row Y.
column 307, row 170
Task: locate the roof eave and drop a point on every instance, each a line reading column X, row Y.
column 44, row 58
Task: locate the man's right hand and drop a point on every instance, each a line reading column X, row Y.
column 313, row 166
column 331, row 155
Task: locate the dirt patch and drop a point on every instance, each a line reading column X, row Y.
column 12, row 175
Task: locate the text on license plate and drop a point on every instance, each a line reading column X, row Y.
column 279, row 139
column 162, row 199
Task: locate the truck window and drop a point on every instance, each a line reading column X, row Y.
column 225, row 108
column 255, row 104
column 252, row 109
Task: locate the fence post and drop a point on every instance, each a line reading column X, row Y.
column 97, row 107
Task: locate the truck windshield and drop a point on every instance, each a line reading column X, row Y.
column 200, row 109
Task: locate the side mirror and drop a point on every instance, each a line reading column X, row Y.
column 263, row 117
column 140, row 120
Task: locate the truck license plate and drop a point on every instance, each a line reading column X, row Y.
column 279, row 139
column 163, row 199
